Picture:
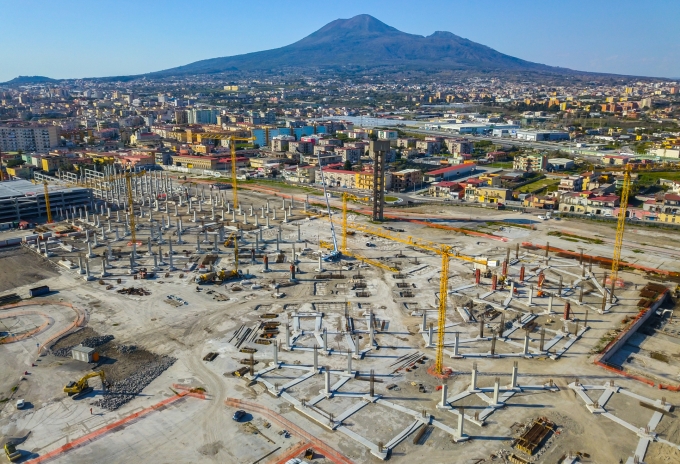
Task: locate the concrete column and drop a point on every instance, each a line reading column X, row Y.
column 324, row 339
column 245, row 218
column 89, row 250
column 285, row 216
column 550, row 303
column 327, row 375
column 424, row 328
column 233, row 215
column 117, row 235
column 526, row 344
column 80, row 265
column 171, row 268
column 496, row 391
column 430, row 332
column 87, row 270
column 356, row 345
column 262, row 212
column 455, row 344
column 155, row 262
column 276, row 353
column 198, row 243
column 274, row 215
column 461, row 421
column 316, row 359
column 287, row 336
column 513, row 378
column 531, row 295
column 349, row 362
column 267, row 221
column 251, row 211
column 473, row 380
column 445, row 391
column 298, row 231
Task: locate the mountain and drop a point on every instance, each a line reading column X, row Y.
column 365, row 42
column 29, row 80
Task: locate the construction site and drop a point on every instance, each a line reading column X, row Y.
column 138, row 324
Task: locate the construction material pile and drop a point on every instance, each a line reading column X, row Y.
column 125, row 349
column 122, row 391
column 134, row 291
column 90, row 342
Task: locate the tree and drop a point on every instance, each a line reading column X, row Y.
column 347, row 166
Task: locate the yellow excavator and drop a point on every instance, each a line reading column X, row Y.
column 11, row 452
column 81, row 387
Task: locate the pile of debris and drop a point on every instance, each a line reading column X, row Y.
column 90, row 342
column 125, row 349
column 125, row 390
column 134, row 291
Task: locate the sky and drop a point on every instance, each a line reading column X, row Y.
column 94, row 38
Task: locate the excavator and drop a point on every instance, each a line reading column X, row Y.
column 11, row 452
column 81, row 387
column 223, row 275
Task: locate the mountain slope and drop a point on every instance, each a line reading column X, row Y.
column 364, row 41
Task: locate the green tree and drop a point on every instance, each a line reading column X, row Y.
column 347, row 166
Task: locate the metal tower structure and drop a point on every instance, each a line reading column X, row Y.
column 441, row 326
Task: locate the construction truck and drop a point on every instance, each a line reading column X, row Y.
column 11, row 452
column 223, row 275
column 81, row 387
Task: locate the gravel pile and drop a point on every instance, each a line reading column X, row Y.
column 125, row 349
column 125, row 390
column 90, row 342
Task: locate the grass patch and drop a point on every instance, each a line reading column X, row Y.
column 649, row 178
column 15, row 388
column 569, row 239
column 391, row 199
column 4, row 400
column 637, row 251
column 538, row 185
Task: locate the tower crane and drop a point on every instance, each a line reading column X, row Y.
column 127, row 177
column 335, row 253
column 232, row 146
column 620, row 225
column 232, row 138
column 47, row 203
column 443, row 294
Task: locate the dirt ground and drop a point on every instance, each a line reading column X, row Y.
column 20, row 267
column 115, row 364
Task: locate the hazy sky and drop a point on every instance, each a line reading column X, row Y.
column 77, row 38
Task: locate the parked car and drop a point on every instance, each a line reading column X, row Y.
column 542, row 218
column 238, row 415
column 21, row 404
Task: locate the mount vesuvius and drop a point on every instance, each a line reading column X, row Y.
column 365, row 42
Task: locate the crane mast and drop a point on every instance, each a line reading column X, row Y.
column 335, row 253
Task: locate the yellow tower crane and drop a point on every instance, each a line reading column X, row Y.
column 47, row 203
column 344, row 223
column 443, row 293
column 232, row 145
column 621, row 224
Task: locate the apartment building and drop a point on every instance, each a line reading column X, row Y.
column 406, row 179
column 530, row 163
column 571, row 184
column 28, row 137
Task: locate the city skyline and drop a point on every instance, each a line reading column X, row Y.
column 141, row 38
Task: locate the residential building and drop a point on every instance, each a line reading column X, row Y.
column 530, row 163
column 571, row 184
column 459, row 146
column 28, row 137
column 446, row 189
column 406, row 179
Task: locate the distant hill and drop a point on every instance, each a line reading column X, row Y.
column 28, row 80
column 363, row 41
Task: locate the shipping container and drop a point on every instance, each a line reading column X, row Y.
column 39, row 291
